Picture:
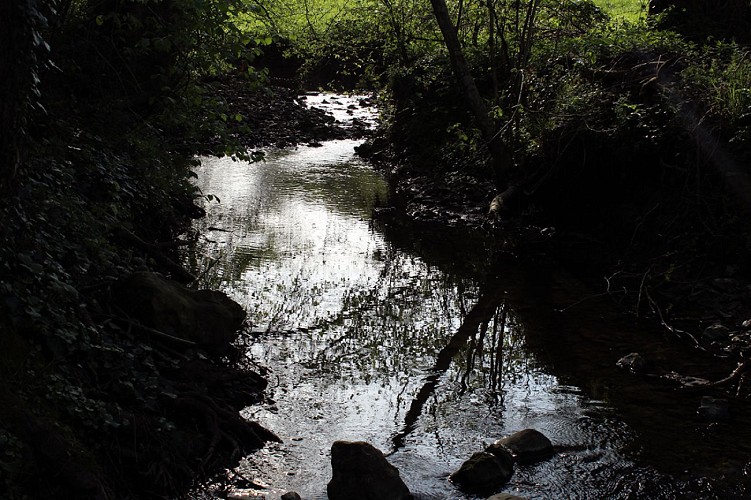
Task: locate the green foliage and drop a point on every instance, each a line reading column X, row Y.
column 607, row 41
column 62, row 353
column 702, row 21
column 717, row 78
column 350, row 52
column 147, row 62
column 721, row 77
column 356, row 41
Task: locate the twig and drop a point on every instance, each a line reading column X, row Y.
column 641, row 289
column 589, row 297
column 158, row 333
column 671, row 329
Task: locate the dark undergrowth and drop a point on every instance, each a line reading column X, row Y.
column 103, row 109
column 92, row 404
column 632, row 147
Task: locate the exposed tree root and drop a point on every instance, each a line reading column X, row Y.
column 736, row 374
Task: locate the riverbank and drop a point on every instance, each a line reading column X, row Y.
column 276, row 116
column 103, row 395
column 628, row 212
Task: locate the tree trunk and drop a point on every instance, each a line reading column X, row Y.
column 498, row 152
column 491, row 48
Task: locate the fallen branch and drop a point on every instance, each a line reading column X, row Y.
column 736, row 374
column 671, row 329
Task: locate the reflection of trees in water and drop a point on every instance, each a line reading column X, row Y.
column 218, row 257
column 420, row 325
column 393, row 326
column 342, row 186
column 481, row 351
column 415, row 319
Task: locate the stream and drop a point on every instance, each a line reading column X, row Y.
column 430, row 344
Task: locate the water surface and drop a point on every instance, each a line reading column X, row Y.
column 429, row 344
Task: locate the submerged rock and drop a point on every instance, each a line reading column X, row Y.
column 714, row 409
column 525, row 446
column 291, row 495
column 207, row 318
column 484, row 472
column 361, row 472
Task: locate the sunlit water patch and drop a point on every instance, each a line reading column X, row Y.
column 392, row 334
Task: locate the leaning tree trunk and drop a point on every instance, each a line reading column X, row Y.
column 498, row 152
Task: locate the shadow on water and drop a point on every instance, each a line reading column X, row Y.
column 430, row 343
column 578, row 336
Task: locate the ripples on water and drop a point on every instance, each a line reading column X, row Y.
column 392, row 334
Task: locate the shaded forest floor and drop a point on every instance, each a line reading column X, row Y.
column 685, row 276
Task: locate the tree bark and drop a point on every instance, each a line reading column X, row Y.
column 500, row 159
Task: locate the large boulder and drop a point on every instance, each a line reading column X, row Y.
column 207, row 318
column 526, row 446
column 484, row 472
column 361, row 472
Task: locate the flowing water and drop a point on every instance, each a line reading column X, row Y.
column 427, row 344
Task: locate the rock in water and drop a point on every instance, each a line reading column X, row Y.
column 361, row 472
column 206, row 317
column 484, row 472
column 633, row 362
column 505, row 496
column 526, row 446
